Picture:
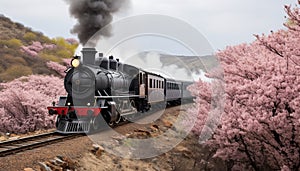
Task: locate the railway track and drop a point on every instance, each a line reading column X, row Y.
column 27, row 143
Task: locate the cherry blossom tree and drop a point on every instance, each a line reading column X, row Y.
column 28, row 51
column 58, row 68
column 260, row 125
column 282, row 43
column 72, row 41
column 24, row 101
column 36, row 47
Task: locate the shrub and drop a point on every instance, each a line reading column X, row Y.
column 64, row 54
column 29, row 37
column 13, row 43
column 15, row 71
column 7, row 60
column 66, row 46
column 14, row 60
column 49, row 57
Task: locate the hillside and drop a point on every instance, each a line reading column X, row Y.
column 193, row 63
column 181, row 67
column 25, row 52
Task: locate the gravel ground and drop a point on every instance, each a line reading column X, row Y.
column 74, row 149
column 187, row 155
column 8, row 136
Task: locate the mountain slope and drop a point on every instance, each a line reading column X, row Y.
column 25, row 52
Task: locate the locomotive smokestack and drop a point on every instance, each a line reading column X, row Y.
column 92, row 16
column 88, row 55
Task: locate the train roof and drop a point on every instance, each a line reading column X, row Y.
column 155, row 74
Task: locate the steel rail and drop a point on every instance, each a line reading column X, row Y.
column 27, row 143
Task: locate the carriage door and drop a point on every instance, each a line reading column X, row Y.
column 142, row 84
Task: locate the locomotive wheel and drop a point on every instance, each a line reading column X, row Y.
column 57, row 119
column 119, row 119
column 96, row 123
column 111, row 124
column 124, row 119
column 107, row 119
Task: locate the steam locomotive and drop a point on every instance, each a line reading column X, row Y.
column 106, row 91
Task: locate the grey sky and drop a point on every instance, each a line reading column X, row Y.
column 222, row 22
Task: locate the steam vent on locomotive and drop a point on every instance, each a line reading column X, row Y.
column 105, row 90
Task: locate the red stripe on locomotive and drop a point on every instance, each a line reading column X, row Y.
column 80, row 111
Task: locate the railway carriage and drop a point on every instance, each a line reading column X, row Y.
column 156, row 84
column 173, row 91
column 185, row 93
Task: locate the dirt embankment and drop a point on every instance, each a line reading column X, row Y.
column 116, row 152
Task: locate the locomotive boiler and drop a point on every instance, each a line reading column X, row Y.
column 86, row 78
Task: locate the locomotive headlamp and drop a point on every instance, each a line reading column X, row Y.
column 75, row 63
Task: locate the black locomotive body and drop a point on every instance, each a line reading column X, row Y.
column 105, row 90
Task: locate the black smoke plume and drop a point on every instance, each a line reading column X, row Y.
column 92, row 16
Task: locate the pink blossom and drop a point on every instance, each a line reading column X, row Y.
column 28, row 51
column 67, row 61
column 72, row 41
column 49, row 46
column 260, row 126
column 37, row 47
column 24, row 101
column 60, row 69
